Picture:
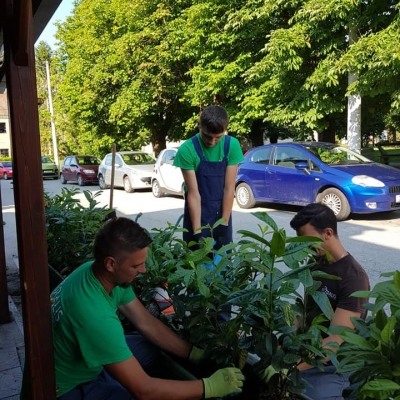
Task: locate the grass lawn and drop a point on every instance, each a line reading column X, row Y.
column 375, row 155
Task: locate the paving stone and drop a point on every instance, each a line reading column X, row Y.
column 10, row 335
column 9, row 359
column 10, row 382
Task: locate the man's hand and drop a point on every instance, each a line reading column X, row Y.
column 196, row 355
column 226, row 381
column 197, row 236
column 220, row 234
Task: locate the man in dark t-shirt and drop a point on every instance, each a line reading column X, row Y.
column 320, row 221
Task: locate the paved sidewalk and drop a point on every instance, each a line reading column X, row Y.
column 12, row 355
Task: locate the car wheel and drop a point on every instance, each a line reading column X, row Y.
column 244, row 196
column 156, row 189
column 55, row 178
column 102, row 183
column 62, row 179
column 336, row 201
column 5, row 176
column 127, row 185
column 80, row 180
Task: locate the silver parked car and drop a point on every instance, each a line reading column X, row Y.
column 166, row 178
column 133, row 170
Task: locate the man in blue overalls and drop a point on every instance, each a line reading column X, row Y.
column 209, row 162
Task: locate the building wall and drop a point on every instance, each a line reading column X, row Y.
column 5, row 139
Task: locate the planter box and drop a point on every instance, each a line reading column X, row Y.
column 170, row 369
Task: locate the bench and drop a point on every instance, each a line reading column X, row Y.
column 386, row 157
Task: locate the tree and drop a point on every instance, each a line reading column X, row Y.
column 119, row 81
column 139, row 72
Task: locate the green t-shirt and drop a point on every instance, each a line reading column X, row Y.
column 187, row 158
column 87, row 332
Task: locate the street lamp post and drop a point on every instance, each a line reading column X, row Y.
column 53, row 127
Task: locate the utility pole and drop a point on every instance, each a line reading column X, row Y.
column 353, row 107
column 53, row 127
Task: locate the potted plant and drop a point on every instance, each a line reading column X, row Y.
column 264, row 278
column 71, row 228
column 373, row 350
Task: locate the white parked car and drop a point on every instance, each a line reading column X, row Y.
column 166, row 178
column 133, row 170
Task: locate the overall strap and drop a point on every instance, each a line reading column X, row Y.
column 226, row 146
column 197, row 147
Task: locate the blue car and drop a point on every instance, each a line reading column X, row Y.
column 302, row 173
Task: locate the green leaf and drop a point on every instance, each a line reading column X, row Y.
column 356, row 339
column 254, row 236
column 263, row 216
column 278, row 243
column 396, row 280
column 387, row 331
column 323, row 303
column 380, row 385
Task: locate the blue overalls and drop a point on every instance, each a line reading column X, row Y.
column 210, row 177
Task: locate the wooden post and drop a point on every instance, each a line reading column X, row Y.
column 4, row 309
column 29, row 198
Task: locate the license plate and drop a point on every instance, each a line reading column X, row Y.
column 48, row 172
column 397, row 198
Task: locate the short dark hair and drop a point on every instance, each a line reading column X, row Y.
column 119, row 237
column 214, row 120
column 318, row 215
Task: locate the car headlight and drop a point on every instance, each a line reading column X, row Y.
column 88, row 171
column 367, row 181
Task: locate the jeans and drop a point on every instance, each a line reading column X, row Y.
column 325, row 385
column 104, row 387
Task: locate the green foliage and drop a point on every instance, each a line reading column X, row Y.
column 263, row 280
column 135, row 73
column 373, row 351
column 71, row 228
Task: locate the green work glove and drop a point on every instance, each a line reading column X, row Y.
column 224, row 382
column 196, row 355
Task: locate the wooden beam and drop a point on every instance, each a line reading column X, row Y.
column 4, row 309
column 29, row 209
column 22, row 12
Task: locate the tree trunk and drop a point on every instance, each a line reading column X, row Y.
column 159, row 133
column 391, row 133
column 257, row 133
column 328, row 135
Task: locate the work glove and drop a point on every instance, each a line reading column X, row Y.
column 224, row 382
column 196, row 355
column 220, row 234
column 197, row 236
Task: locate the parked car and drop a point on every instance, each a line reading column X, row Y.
column 166, row 178
column 302, row 173
column 83, row 169
column 133, row 170
column 6, row 171
column 49, row 168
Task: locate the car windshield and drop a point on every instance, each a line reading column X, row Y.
column 88, row 161
column 46, row 160
column 137, row 158
column 7, row 164
column 336, row 155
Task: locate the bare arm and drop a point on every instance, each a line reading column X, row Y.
column 193, row 198
column 154, row 330
column 229, row 192
column 341, row 318
column 141, row 386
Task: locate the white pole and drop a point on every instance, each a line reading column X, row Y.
column 353, row 108
column 53, row 127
